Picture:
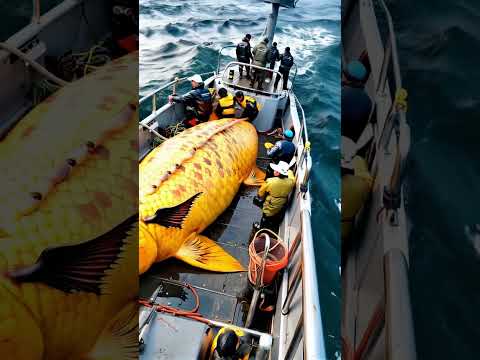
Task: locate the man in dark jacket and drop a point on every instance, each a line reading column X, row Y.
column 356, row 104
column 283, row 150
column 286, row 63
column 198, row 100
column 273, row 55
column 244, row 54
column 260, row 55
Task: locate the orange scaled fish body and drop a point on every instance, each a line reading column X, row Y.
column 185, row 184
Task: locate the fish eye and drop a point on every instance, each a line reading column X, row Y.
column 36, row 196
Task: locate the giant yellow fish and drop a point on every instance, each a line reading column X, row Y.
column 69, row 222
column 185, row 184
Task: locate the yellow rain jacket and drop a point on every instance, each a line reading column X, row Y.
column 249, row 99
column 355, row 191
column 226, row 107
column 277, row 191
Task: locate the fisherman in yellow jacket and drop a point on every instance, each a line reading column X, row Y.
column 356, row 184
column 247, row 106
column 226, row 106
column 275, row 191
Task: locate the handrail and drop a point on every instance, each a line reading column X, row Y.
column 220, row 55
column 173, row 82
column 314, row 347
column 303, row 129
column 233, row 63
column 400, row 339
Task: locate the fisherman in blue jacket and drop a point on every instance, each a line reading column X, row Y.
column 198, row 100
column 283, row 150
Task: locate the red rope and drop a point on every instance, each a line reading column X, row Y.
column 192, row 314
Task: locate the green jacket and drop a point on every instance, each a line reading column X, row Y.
column 260, row 54
column 276, row 191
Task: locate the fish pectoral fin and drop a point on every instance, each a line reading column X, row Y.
column 204, row 253
column 119, row 339
column 255, row 178
column 80, row 267
column 173, row 216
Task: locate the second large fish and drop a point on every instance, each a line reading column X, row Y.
column 185, row 184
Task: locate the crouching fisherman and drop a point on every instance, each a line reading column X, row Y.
column 198, row 101
column 226, row 105
column 275, row 191
column 231, row 344
column 357, row 184
column 246, row 105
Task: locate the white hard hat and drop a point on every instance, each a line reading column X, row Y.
column 282, row 167
column 197, row 78
column 349, row 150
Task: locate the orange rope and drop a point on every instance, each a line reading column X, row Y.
column 192, row 314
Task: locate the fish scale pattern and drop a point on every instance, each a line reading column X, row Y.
column 98, row 193
column 211, row 159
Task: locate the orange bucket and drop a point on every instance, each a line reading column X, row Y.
column 277, row 258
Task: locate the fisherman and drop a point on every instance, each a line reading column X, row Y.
column 198, row 100
column 356, row 104
column 283, row 150
column 260, row 53
column 275, row 190
column 273, row 55
column 247, row 106
column 286, row 63
column 226, row 104
column 244, row 54
column 231, row 344
column 356, row 186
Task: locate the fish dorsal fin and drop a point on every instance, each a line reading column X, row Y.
column 173, row 216
column 80, row 267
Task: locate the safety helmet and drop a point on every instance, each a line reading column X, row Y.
column 288, row 134
column 356, row 70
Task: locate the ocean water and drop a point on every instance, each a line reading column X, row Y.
column 438, row 44
column 178, row 38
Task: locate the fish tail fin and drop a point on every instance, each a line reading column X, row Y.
column 147, row 249
column 255, row 178
column 204, row 253
column 119, row 339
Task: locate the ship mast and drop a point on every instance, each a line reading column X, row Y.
column 272, row 18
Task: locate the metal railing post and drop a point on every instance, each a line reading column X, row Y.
column 36, row 11
column 382, row 80
column 296, row 277
column 297, row 336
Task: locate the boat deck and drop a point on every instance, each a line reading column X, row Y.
column 223, row 297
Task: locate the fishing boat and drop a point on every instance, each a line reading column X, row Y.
column 377, row 317
column 184, row 308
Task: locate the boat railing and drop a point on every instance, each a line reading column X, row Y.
column 263, row 92
column 152, row 97
column 393, row 314
column 396, row 123
column 309, row 326
column 219, row 59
